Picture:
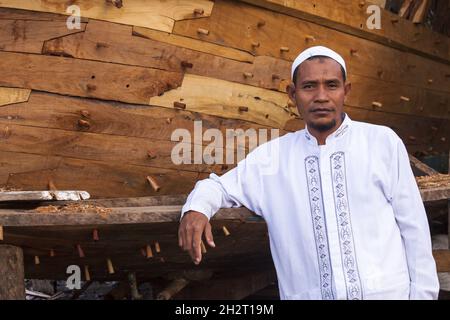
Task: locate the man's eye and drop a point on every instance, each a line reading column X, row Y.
column 332, row 85
column 307, row 86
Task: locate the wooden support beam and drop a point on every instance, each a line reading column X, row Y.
column 421, row 167
column 442, row 258
column 12, row 285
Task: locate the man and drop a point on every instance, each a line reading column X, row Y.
column 343, row 210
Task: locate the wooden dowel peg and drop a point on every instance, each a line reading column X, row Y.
column 443, row 139
column 36, row 260
column 51, row 185
column 179, row 105
column 157, row 247
column 353, row 51
column 403, row 98
column 248, row 75
column 243, row 109
column 225, row 231
column 284, row 49
column 261, row 23
column 91, row 87
column 168, row 120
column 52, row 253
column 153, row 183
column 87, row 275
column 148, row 251
column 84, row 124
column 275, row 77
column 377, row 104
column 80, row 251
column 150, row 155
column 394, row 20
column 203, row 31
column 361, row 4
column 85, row 113
column 110, row 266
column 202, row 245
column 186, row 64
column 95, row 236
column 1, row 233
column 412, row 138
column 199, row 11
column 255, row 44
column 309, row 37
column 430, row 81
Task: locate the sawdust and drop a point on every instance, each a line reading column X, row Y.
column 76, row 208
column 433, row 181
column 8, row 189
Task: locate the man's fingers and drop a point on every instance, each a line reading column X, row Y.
column 208, row 235
column 196, row 245
column 187, row 239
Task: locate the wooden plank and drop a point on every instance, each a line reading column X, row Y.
column 113, row 149
column 13, row 95
column 422, row 11
column 155, row 14
column 12, row 283
column 435, row 194
column 421, row 167
column 43, row 195
column 236, row 25
column 442, row 258
column 223, row 98
column 119, row 46
column 54, row 111
column 29, row 36
column 122, row 244
column 101, row 179
column 109, row 216
column 193, row 44
column 351, row 17
column 18, row 14
column 85, row 78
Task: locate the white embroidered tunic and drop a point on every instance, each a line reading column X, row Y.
column 345, row 219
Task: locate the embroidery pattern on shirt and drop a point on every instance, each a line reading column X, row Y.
column 319, row 226
column 349, row 263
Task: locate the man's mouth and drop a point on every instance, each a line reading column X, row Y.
column 321, row 110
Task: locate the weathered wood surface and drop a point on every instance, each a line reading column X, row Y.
column 235, row 24
column 13, row 95
column 29, row 36
column 12, row 284
column 43, row 195
column 85, row 78
column 351, row 17
column 155, row 14
column 246, row 246
column 442, row 258
column 118, row 215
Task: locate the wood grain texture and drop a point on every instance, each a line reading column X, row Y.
column 235, row 24
column 223, row 98
column 29, row 36
column 85, row 78
column 12, row 284
column 13, row 95
column 155, row 14
column 351, row 16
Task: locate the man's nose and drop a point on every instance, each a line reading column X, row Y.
column 322, row 94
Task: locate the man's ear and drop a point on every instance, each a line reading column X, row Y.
column 347, row 88
column 291, row 92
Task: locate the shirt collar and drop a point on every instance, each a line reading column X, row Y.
column 340, row 132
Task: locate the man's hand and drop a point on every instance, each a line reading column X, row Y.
column 193, row 225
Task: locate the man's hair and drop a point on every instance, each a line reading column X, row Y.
column 312, row 58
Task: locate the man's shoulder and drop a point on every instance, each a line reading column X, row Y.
column 375, row 131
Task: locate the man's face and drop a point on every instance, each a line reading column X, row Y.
column 320, row 93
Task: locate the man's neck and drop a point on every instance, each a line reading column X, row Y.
column 322, row 136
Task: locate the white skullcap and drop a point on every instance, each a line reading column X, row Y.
column 317, row 51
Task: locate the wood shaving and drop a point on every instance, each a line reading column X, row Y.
column 75, row 207
column 433, row 181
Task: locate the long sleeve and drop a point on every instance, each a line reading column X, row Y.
column 238, row 187
column 413, row 224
